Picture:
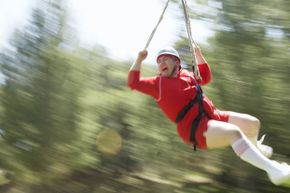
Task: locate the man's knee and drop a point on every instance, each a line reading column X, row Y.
column 255, row 124
column 235, row 133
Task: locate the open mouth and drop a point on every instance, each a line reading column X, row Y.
column 164, row 69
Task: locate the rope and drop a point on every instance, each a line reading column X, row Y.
column 154, row 30
column 192, row 43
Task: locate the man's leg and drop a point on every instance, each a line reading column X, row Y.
column 250, row 126
column 222, row 134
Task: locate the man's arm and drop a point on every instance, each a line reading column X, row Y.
column 199, row 57
column 138, row 62
column 203, row 67
column 147, row 85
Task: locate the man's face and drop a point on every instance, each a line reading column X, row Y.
column 167, row 65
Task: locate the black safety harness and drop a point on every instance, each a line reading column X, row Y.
column 197, row 100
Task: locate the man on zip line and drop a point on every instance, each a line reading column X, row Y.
column 179, row 95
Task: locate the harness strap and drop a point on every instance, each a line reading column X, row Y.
column 185, row 109
column 198, row 99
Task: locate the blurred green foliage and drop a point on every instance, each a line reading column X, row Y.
column 57, row 97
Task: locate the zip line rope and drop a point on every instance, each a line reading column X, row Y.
column 159, row 21
column 192, row 43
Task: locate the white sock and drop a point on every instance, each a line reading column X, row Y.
column 249, row 153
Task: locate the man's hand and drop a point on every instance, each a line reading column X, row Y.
column 197, row 50
column 142, row 55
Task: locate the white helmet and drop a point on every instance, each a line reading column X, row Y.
column 168, row 50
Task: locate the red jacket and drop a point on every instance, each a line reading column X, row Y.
column 174, row 93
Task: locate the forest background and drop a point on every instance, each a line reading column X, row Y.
column 70, row 124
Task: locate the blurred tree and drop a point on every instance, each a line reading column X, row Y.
column 40, row 98
column 256, row 66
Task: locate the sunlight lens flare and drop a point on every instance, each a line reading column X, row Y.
column 109, row 142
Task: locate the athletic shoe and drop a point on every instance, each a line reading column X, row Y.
column 266, row 150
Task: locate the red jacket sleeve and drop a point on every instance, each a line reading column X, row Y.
column 205, row 73
column 147, row 86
